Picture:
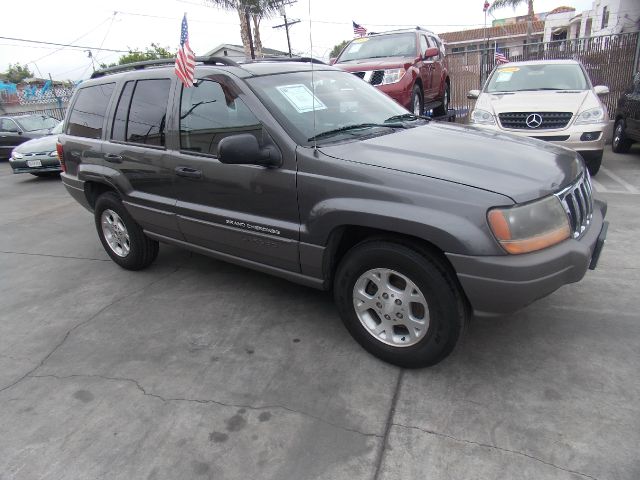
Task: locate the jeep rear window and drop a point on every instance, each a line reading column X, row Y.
column 89, row 109
column 397, row 45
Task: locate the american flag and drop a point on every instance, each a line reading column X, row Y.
column 500, row 57
column 358, row 29
column 186, row 59
column 486, row 6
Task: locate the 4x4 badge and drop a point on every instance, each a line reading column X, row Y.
column 534, row 120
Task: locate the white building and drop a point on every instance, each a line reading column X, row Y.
column 606, row 17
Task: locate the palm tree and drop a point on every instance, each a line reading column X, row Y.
column 255, row 10
column 498, row 4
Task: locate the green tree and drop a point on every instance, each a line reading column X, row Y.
column 338, row 48
column 498, row 4
column 154, row 52
column 17, row 73
column 257, row 10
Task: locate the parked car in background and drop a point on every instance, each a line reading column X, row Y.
column 551, row 100
column 627, row 127
column 38, row 156
column 22, row 128
column 408, row 65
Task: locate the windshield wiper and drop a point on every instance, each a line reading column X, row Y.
column 356, row 126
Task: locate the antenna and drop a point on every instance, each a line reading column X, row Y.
column 313, row 85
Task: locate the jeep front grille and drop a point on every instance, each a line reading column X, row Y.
column 577, row 200
column 537, row 120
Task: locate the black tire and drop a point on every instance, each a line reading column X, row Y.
column 593, row 161
column 443, row 109
column 619, row 143
column 446, row 304
column 142, row 250
column 417, row 96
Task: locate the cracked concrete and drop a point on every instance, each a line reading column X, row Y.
column 199, row 369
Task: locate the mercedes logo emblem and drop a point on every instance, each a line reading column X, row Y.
column 534, row 120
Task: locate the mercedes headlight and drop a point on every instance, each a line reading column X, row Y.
column 393, row 75
column 482, row 117
column 594, row 115
column 17, row 156
column 530, row 227
column 53, row 154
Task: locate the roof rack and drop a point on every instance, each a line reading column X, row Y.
column 158, row 63
column 287, row 59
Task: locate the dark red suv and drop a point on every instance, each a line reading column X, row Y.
column 408, row 65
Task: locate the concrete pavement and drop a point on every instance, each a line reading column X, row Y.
column 199, row 369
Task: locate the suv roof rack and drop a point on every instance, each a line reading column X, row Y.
column 158, row 63
column 287, row 59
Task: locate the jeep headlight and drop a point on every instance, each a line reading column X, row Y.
column 593, row 115
column 393, row 75
column 531, row 226
column 482, row 117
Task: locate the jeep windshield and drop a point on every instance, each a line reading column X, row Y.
column 380, row 46
column 346, row 107
column 527, row 78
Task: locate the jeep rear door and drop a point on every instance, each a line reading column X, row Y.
column 246, row 211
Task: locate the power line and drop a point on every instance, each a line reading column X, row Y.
column 67, row 45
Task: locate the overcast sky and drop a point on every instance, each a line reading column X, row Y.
column 138, row 23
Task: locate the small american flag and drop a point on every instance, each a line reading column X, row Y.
column 500, row 57
column 486, row 6
column 358, row 29
column 186, row 59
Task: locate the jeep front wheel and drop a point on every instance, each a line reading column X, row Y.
column 400, row 304
column 417, row 101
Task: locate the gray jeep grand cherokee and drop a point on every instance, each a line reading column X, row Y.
column 308, row 173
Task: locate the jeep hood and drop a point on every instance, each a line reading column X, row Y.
column 521, row 168
column 573, row 101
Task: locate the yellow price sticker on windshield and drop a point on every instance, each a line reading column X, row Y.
column 360, row 40
column 508, row 69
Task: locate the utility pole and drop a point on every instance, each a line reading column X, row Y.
column 286, row 26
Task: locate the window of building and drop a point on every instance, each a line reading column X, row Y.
column 605, row 17
column 210, row 112
column 89, row 110
column 457, row 49
column 587, row 27
column 146, row 121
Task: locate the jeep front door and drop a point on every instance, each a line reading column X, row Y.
column 246, row 211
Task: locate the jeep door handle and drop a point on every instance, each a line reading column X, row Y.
column 113, row 158
column 188, row 172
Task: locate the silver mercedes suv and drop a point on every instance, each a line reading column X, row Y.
column 551, row 100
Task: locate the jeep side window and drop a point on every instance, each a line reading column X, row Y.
column 146, row 121
column 210, row 112
column 119, row 129
column 89, row 109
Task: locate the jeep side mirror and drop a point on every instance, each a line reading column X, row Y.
column 473, row 94
column 601, row 89
column 243, row 149
column 332, row 60
column 431, row 52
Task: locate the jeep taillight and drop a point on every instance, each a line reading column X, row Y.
column 61, row 156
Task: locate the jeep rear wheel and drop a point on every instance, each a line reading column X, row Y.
column 122, row 238
column 401, row 305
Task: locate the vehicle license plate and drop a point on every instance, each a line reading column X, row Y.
column 34, row 163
